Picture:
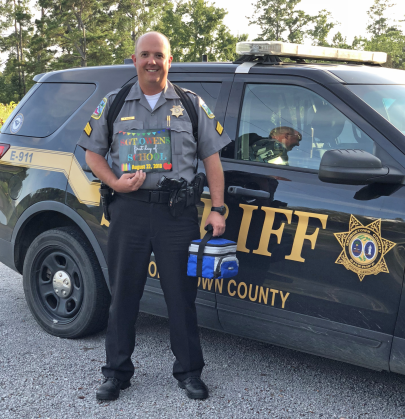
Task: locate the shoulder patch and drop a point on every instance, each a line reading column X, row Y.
column 88, row 129
column 219, row 128
column 207, row 110
column 100, row 109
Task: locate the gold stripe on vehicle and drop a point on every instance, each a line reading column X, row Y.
column 87, row 192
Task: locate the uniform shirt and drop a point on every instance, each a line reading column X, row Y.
column 211, row 136
column 269, row 150
column 153, row 99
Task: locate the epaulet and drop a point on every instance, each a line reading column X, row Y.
column 190, row 91
column 113, row 93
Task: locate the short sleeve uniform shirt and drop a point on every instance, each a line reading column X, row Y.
column 136, row 114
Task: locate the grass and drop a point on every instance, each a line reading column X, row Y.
column 5, row 111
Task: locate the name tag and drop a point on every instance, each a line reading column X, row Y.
column 147, row 150
column 127, row 118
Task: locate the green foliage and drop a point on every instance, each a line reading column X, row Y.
column 131, row 20
column 195, row 28
column 16, row 21
column 82, row 33
column 385, row 35
column 279, row 20
column 5, row 111
column 393, row 43
column 378, row 21
column 323, row 24
column 78, row 33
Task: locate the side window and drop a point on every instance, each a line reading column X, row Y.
column 207, row 91
column 48, row 108
column 291, row 125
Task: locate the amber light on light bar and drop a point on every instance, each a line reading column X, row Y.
column 261, row 48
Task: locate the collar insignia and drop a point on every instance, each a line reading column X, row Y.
column 177, row 110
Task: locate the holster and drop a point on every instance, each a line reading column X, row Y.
column 106, row 194
column 188, row 194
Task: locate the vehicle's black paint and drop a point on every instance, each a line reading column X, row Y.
column 328, row 311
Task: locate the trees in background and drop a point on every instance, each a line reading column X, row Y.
column 17, row 22
column 130, row 20
column 281, row 20
column 385, row 35
column 57, row 34
column 196, row 27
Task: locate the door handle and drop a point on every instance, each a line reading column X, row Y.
column 252, row 193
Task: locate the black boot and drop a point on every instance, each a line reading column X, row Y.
column 195, row 388
column 110, row 389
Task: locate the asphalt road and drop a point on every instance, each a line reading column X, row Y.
column 42, row 376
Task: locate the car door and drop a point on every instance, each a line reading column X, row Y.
column 321, row 265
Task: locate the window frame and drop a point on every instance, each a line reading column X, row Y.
column 235, row 104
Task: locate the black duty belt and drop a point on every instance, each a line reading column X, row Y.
column 145, row 195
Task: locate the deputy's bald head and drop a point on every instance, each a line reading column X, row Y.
column 153, row 37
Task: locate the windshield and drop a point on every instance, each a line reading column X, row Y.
column 388, row 101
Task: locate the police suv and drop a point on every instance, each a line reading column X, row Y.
column 314, row 195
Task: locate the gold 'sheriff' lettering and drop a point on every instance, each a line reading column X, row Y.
column 267, row 230
column 301, row 234
column 244, row 227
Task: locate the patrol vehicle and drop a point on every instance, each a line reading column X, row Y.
column 320, row 232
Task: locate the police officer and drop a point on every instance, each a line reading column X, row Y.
column 275, row 148
column 140, row 218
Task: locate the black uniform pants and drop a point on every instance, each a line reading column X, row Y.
column 137, row 228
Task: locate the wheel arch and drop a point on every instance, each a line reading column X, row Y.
column 44, row 216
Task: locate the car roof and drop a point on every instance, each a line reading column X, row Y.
column 322, row 72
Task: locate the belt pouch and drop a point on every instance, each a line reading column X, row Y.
column 212, row 258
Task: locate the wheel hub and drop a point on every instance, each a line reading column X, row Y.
column 62, row 284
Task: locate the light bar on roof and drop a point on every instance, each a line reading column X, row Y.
column 260, row 48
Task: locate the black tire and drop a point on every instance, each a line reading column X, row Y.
column 62, row 261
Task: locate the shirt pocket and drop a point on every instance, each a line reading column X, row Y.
column 182, row 135
column 126, row 126
column 122, row 126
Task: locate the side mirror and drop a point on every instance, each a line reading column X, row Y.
column 356, row 167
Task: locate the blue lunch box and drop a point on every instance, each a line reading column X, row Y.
column 212, row 258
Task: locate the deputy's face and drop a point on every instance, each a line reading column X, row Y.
column 292, row 140
column 152, row 62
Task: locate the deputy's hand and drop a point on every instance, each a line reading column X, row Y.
column 218, row 223
column 129, row 182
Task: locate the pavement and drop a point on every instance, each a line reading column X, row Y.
column 42, row 376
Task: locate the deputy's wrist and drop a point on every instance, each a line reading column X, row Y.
column 219, row 209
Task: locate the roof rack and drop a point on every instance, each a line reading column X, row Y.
column 269, row 52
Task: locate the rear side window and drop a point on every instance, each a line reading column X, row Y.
column 48, row 108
